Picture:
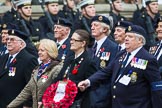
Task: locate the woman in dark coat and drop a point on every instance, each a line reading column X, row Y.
column 79, row 66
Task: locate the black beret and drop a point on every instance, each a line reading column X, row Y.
column 136, row 29
column 64, row 22
column 18, row 33
column 101, row 18
column 123, row 24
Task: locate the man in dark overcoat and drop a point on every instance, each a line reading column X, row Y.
column 136, row 81
column 15, row 67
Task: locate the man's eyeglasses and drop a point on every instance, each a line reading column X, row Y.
column 12, row 39
column 75, row 40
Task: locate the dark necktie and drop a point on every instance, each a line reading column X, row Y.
column 58, row 45
column 124, row 63
column 94, row 48
column 8, row 61
column 158, row 50
column 119, row 48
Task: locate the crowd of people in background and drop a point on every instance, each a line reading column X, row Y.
column 113, row 61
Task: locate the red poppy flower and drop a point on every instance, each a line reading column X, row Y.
column 63, row 46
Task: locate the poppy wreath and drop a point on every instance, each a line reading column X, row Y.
column 49, row 94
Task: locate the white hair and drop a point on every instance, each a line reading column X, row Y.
column 106, row 26
column 140, row 36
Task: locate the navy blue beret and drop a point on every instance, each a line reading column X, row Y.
column 101, row 18
column 136, row 29
column 123, row 24
column 64, row 22
column 18, row 33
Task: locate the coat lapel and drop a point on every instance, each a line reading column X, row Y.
column 3, row 70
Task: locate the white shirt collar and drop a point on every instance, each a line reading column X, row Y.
column 79, row 54
column 13, row 56
column 100, row 42
column 61, row 42
column 122, row 46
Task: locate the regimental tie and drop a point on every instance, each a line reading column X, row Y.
column 124, row 63
column 94, row 48
column 119, row 48
column 57, row 45
column 8, row 61
column 158, row 50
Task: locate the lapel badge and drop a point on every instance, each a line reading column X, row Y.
column 133, row 77
column 44, row 78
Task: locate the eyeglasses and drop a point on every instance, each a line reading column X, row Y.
column 12, row 39
column 75, row 40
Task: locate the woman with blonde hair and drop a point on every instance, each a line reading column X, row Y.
column 47, row 72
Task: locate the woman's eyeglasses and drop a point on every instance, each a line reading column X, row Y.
column 75, row 40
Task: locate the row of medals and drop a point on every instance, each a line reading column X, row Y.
column 12, row 71
column 139, row 63
column 104, row 57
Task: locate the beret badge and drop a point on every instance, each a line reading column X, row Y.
column 13, row 32
column 4, row 26
column 129, row 28
column 118, row 23
column 100, row 18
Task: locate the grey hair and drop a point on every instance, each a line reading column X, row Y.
column 140, row 36
column 106, row 26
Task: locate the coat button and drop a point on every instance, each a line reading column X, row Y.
column 114, row 87
column 114, row 96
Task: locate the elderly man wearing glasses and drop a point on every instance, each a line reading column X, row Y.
column 15, row 67
column 62, row 31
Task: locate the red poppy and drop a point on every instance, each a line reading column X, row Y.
column 75, row 70
column 63, row 46
column 102, row 49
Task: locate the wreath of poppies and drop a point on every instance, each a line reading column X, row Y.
column 49, row 94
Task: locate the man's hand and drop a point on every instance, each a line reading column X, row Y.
column 83, row 85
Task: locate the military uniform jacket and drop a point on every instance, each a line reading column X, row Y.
column 153, row 50
column 36, row 87
column 116, row 18
column 35, row 29
column 46, row 24
column 11, row 86
column 141, row 20
column 86, row 68
column 137, row 94
column 99, row 98
column 10, row 16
